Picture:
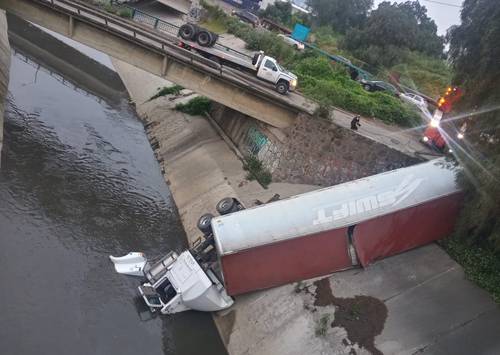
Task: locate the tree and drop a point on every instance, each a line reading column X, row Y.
column 474, row 53
column 341, row 15
column 391, row 31
column 280, row 12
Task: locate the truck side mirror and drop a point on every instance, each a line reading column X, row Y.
column 275, row 69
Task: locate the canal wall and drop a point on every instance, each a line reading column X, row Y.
column 307, row 317
column 4, row 70
column 311, row 151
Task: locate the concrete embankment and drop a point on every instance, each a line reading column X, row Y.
column 4, row 69
column 401, row 305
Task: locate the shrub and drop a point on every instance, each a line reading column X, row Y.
column 164, row 91
column 481, row 264
column 125, row 12
column 257, row 171
column 199, row 105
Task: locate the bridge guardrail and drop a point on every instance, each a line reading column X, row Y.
column 167, row 27
column 159, row 43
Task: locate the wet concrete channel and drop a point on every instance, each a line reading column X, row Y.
column 79, row 182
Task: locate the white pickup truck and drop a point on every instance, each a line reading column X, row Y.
column 204, row 42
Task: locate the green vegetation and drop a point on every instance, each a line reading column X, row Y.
column 340, row 15
column 474, row 52
column 391, row 31
column 322, row 326
column 257, row 171
column 199, row 105
column 330, row 85
column 117, row 9
column 164, row 91
column 423, row 73
column 125, row 12
column 319, row 79
column 481, row 265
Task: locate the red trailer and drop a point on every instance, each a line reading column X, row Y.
column 336, row 228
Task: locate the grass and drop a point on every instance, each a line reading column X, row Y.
column 167, row 90
column 257, row 171
column 214, row 25
column 199, row 105
column 481, row 265
column 429, row 75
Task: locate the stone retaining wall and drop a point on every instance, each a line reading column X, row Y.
column 312, row 151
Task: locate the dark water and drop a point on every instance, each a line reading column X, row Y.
column 79, row 182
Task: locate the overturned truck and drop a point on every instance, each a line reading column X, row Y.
column 305, row 236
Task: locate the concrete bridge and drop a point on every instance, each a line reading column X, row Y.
column 158, row 54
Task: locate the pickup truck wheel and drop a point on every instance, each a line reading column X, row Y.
column 204, row 223
column 204, row 38
column 282, row 87
column 187, row 31
column 367, row 87
column 226, row 205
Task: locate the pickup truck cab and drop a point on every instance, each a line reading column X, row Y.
column 269, row 69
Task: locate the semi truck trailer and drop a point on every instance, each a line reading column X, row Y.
column 305, row 236
column 204, row 42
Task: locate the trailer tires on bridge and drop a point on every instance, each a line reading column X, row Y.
column 282, row 87
column 204, row 38
column 188, row 31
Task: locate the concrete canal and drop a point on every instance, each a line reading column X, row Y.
column 79, row 182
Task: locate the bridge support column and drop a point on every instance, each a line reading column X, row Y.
column 164, row 66
column 71, row 26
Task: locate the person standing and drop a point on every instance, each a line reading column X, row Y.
column 355, row 123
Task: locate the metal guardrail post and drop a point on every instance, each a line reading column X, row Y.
column 156, row 23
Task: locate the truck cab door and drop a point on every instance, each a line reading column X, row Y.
column 268, row 70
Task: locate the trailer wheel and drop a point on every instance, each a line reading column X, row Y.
column 204, row 38
column 187, row 31
column 226, row 205
column 204, row 223
column 282, row 87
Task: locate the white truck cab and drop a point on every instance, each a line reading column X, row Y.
column 175, row 283
column 269, row 69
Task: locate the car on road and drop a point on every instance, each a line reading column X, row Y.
column 292, row 42
column 247, row 16
column 374, row 85
column 414, row 99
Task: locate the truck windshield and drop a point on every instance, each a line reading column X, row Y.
column 280, row 67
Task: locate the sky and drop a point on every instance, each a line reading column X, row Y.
column 444, row 16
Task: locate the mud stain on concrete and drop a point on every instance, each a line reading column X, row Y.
column 363, row 317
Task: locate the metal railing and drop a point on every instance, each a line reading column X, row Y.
column 167, row 27
column 163, row 45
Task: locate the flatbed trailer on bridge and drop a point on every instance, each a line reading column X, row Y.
column 192, row 37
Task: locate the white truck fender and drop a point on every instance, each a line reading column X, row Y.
column 131, row 264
